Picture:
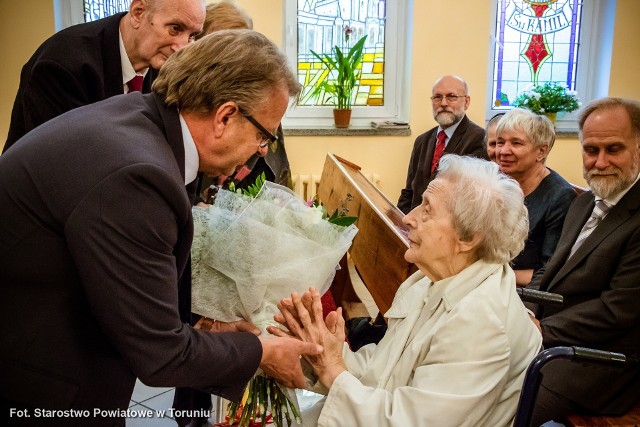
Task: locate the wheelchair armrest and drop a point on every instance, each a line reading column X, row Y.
column 582, row 354
column 539, row 297
column 533, row 377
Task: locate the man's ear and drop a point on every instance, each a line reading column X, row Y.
column 223, row 116
column 136, row 11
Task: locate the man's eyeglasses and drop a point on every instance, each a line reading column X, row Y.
column 437, row 99
column 267, row 137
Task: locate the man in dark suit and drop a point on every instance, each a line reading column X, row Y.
column 90, row 62
column 450, row 99
column 596, row 267
column 96, row 229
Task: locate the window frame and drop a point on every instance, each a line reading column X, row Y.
column 593, row 64
column 396, row 93
column 67, row 13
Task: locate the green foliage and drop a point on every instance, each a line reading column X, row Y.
column 337, row 217
column 262, row 396
column 347, row 73
column 550, row 97
column 253, row 189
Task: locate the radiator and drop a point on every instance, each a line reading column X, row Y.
column 306, row 185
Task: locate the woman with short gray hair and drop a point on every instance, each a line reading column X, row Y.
column 524, row 140
column 459, row 339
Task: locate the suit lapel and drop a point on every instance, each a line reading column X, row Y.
column 618, row 215
column 173, row 131
column 148, row 80
column 111, row 57
column 431, row 142
column 456, row 138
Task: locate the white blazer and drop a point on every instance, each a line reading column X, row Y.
column 455, row 354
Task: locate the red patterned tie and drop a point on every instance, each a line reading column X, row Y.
column 135, row 84
column 439, row 150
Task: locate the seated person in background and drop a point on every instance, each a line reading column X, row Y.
column 524, row 142
column 490, row 136
column 226, row 15
column 455, row 134
column 596, row 268
column 459, row 339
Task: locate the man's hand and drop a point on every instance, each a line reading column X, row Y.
column 281, row 359
column 210, row 325
column 302, row 316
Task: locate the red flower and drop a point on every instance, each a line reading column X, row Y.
column 347, row 32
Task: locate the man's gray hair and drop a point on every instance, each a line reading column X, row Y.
column 538, row 128
column 487, row 203
column 242, row 66
column 631, row 106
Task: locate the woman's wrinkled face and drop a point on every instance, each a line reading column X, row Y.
column 433, row 240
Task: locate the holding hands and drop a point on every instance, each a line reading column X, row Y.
column 280, row 356
column 302, row 316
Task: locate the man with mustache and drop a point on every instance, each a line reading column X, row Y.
column 596, row 268
column 89, row 62
column 450, row 99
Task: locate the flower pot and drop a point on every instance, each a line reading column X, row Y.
column 341, row 118
column 552, row 117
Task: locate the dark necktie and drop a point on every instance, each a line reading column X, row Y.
column 599, row 211
column 135, row 84
column 442, row 137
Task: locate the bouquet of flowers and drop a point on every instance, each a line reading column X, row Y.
column 550, row 97
column 250, row 251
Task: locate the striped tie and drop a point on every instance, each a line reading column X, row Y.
column 599, row 211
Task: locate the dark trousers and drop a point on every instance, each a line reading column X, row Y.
column 552, row 406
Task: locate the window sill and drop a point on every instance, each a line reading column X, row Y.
column 567, row 135
column 350, row 131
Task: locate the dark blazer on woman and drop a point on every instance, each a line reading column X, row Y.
column 95, row 230
column 600, row 284
column 467, row 140
column 77, row 66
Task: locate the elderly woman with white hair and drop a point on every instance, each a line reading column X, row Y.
column 459, row 338
column 524, row 140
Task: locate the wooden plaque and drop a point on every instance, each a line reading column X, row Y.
column 378, row 249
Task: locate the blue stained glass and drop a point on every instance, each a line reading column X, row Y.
column 537, row 41
column 96, row 9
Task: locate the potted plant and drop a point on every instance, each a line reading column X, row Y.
column 548, row 99
column 344, row 68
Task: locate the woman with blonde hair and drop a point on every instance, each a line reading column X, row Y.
column 225, row 15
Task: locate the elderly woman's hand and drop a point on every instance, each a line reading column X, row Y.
column 302, row 316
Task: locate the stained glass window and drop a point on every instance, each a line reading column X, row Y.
column 97, row 9
column 319, row 25
column 536, row 42
column 323, row 24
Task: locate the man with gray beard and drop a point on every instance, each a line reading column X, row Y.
column 596, row 268
column 455, row 134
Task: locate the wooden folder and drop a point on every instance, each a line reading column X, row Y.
column 378, row 249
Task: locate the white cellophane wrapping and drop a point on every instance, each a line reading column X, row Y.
column 248, row 253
